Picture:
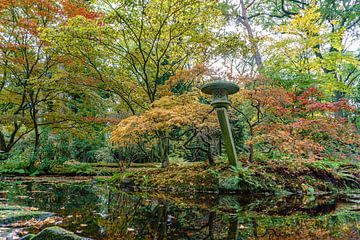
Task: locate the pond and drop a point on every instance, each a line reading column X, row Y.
column 101, row 211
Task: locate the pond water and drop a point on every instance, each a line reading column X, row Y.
column 101, row 211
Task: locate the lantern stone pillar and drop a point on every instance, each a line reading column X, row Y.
column 220, row 90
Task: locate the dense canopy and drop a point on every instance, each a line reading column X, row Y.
column 100, row 80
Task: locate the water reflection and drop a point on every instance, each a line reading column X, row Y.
column 104, row 212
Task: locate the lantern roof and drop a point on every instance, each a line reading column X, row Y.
column 214, row 86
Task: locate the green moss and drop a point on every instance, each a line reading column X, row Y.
column 11, row 214
column 271, row 177
column 54, row 233
column 28, row 237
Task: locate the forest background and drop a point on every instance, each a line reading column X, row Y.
column 117, row 81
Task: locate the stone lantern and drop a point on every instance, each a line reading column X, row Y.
column 220, row 90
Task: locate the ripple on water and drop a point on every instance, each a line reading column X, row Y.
column 102, row 211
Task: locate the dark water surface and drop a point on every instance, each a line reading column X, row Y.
column 101, row 211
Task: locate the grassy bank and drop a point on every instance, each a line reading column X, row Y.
column 69, row 168
column 270, row 177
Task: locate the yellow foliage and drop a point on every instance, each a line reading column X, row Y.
column 306, row 22
column 311, row 49
column 166, row 113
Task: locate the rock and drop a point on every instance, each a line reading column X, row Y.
column 127, row 182
column 28, row 237
column 12, row 214
column 10, row 233
column 5, row 233
column 54, row 233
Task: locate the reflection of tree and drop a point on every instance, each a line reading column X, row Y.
column 254, row 226
column 233, row 229
column 113, row 214
column 161, row 222
column 121, row 212
column 212, row 217
column 210, row 225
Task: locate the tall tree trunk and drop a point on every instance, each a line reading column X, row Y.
column 208, row 150
column 251, row 146
column 210, row 155
column 244, row 20
column 36, row 141
column 6, row 145
column 220, row 145
column 3, row 148
column 164, row 150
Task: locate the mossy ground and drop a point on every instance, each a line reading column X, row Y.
column 267, row 176
column 54, row 233
column 260, row 177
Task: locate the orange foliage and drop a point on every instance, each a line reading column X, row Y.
column 298, row 123
column 186, row 77
column 38, row 10
column 77, row 8
column 165, row 114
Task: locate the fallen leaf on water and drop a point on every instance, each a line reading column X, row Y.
column 31, row 209
column 36, row 223
column 23, row 197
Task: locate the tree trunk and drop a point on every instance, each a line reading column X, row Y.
column 251, row 146
column 251, row 153
column 210, row 156
column 164, row 150
column 243, row 18
column 3, row 147
column 220, row 145
column 338, row 96
column 36, row 142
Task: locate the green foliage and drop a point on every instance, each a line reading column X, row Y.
column 65, row 82
column 74, row 169
column 246, row 179
column 345, row 171
column 14, row 166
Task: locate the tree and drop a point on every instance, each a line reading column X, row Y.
column 253, row 101
column 166, row 114
column 301, row 124
column 311, row 53
column 33, row 88
column 241, row 13
column 138, row 45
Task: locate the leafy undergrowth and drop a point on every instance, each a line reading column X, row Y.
column 267, row 177
column 69, row 168
column 280, row 176
column 74, row 168
column 82, row 169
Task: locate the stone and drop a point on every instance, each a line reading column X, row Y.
column 54, row 233
column 220, row 90
column 28, row 237
column 11, row 214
